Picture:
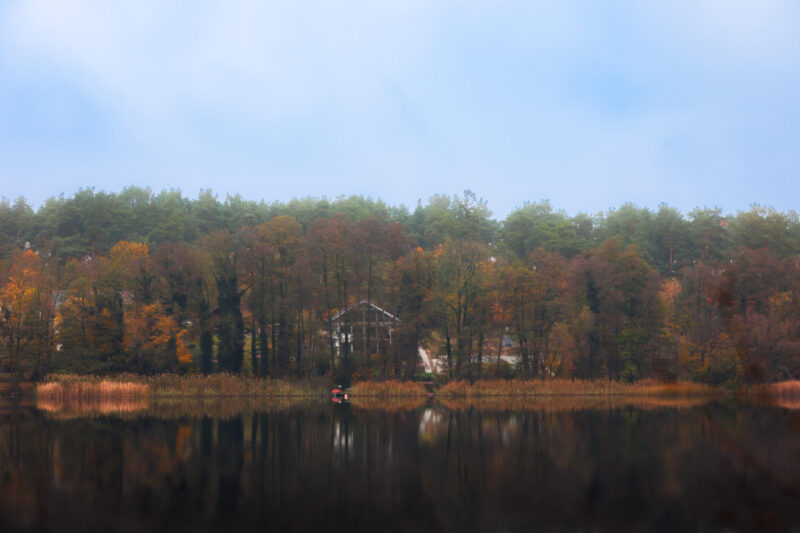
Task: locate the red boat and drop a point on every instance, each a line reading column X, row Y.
column 338, row 394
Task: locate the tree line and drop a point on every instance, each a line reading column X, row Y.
column 148, row 283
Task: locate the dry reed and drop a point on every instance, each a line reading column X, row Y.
column 565, row 387
column 782, row 389
column 91, row 390
column 92, row 396
column 229, row 385
column 383, row 389
column 783, row 393
column 64, row 388
column 175, row 386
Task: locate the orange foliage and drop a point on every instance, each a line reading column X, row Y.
column 149, row 328
column 26, row 306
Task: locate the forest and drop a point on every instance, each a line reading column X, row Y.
column 144, row 282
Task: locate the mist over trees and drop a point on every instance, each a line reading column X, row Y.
column 156, row 282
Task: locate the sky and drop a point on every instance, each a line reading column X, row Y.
column 586, row 104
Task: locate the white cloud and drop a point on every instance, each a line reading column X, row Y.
column 250, row 56
column 738, row 36
column 423, row 89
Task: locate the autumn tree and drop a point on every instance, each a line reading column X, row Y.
column 154, row 340
column 620, row 291
column 412, row 296
column 284, row 235
column 27, row 306
column 91, row 317
column 258, row 267
column 230, row 324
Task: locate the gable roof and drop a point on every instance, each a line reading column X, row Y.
column 368, row 305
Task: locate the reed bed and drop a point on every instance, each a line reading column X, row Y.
column 229, row 385
column 174, row 386
column 565, row 387
column 65, row 388
column 87, row 390
column 384, row 389
column 783, row 394
column 780, row 390
column 92, row 396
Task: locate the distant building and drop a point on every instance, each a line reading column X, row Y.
column 369, row 329
column 364, row 327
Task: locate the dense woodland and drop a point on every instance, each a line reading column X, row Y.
column 148, row 283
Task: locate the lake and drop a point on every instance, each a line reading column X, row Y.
column 504, row 465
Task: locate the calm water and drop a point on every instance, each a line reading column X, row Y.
column 455, row 467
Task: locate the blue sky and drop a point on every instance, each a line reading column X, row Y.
column 587, row 104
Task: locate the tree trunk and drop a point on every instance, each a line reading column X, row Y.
column 253, row 352
column 299, row 358
column 480, row 354
column 264, row 342
column 329, row 315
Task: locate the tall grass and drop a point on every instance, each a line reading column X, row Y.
column 565, row 387
column 83, row 390
column 92, row 396
column 783, row 393
column 72, row 387
column 224, row 385
column 383, row 389
column 170, row 386
column 782, row 389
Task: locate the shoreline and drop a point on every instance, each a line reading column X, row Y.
column 229, row 394
column 127, row 386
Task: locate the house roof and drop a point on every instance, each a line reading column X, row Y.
column 368, row 304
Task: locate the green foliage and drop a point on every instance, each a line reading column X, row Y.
column 537, row 226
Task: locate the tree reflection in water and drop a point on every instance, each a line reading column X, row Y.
column 430, row 467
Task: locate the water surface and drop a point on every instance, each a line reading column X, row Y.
column 564, row 464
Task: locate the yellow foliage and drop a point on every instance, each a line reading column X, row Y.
column 21, row 291
column 670, row 289
column 125, row 252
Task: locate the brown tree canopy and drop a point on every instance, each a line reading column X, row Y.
column 146, row 282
